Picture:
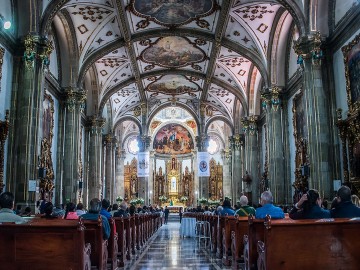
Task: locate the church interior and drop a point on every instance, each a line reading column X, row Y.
column 178, row 102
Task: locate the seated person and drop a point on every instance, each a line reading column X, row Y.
column 309, row 207
column 93, row 214
column 344, row 207
column 7, row 202
column 227, row 210
column 27, row 212
column 48, row 208
column 268, row 208
column 245, row 209
column 122, row 211
column 80, row 209
column 70, row 212
column 105, row 204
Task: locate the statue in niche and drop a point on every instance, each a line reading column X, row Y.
column 160, row 171
column 133, row 185
column 173, row 164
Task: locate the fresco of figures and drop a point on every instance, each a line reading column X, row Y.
column 173, row 139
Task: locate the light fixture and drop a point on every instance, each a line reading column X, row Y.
column 7, row 25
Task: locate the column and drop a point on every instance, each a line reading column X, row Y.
column 272, row 106
column 120, row 156
column 74, row 103
column 26, row 116
column 251, row 174
column 202, row 144
column 236, row 179
column 316, row 113
column 227, row 168
column 109, row 141
column 151, row 178
column 94, row 181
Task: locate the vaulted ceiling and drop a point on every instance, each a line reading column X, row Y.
column 175, row 52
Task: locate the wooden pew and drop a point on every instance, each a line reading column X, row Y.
column 229, row 226
column 128, row 237
column 310, row 244
column 94, row 236
column 139, row 231
column 133, row 234
column 214, row 230
column 119, row 222
column 237, row 240
column 255, row 234
column 49, row 244
column 113, row 245
column 219, row 241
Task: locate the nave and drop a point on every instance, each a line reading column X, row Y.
column 167, row 250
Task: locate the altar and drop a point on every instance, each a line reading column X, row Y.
column 175, row 208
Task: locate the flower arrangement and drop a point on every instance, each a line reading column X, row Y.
column 137, row 201
column 203, row 200
column 119, row 199
column 162, row 198
column 184, row 199
column 213, row 202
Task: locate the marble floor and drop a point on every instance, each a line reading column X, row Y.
column 167, row 250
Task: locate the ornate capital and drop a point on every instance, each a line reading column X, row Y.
column 236, row 141
column 30, row 51
column 143, row 108
column 271, row 97
column 95, row 124
column 45, row 54
column 250, row 124
column 109, row 140
column 144, row 142
column 202, row 142
column 202, row 109
column 309, row 47
column 74, row 97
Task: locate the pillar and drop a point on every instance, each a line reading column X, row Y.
column 236, row 179
column 26, row 117
column 109, row 141
column 316, row 113
column 251, row 174
column 74, row 103
column 276, row 167
column 120, row 156
column 227, row 175
column 94, row 181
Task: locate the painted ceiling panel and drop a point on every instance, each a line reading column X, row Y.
column 257, row 18
column 90, row 19
column 217, row 104
column 225, row 97
column 237, row 33
column 153, row 14
column 113, row 69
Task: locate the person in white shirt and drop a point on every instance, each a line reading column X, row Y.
column 7, row 214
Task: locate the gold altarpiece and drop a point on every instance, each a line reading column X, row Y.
column 131, row 180
column 173, row 184
column 215, row 181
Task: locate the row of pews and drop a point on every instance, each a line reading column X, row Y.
column 284, row 243
column 74, row 244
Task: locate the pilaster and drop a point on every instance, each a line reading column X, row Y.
column 120, row 156
column 109, row 142
column 236, row 143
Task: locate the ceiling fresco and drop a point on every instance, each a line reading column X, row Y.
column 173, row 52
column 173, row 85
column 172, row 13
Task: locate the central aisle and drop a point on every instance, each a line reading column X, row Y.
column 166, row 250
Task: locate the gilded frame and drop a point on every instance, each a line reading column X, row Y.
column 351, row 53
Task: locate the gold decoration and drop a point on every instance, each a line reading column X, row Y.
column 47, row 183
column 2, row 52
column 354, row 105
column 29, row 54
column 130, row 180
column 4, row 130
column 215, row 181
column 45, row 55
column 137, row 111
column 75, row 98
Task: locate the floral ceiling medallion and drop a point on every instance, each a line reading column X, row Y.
column 171, row 13
column 173, row 85
column 171, row 52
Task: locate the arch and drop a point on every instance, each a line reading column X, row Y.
column 220, row 118
column 240, row 49
column 49, row 14
column 68, row 47
column 165, row 105
column 125, row 83
column 127, row 118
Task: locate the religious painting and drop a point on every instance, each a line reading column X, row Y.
column 192, row 125
column 48, row 117
column 173, row 139
column 300, row 129
column 172, row 13
column 352, row 72
column 154, row 124
column 173, row 85
column 172, row 52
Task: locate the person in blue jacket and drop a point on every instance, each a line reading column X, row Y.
column 268, row 208
column 93, row 214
